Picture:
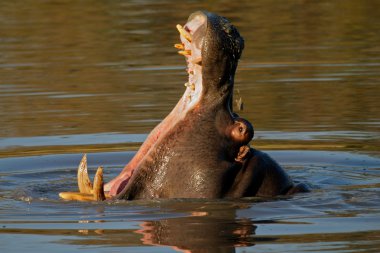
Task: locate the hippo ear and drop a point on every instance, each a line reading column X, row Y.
column 241, row 131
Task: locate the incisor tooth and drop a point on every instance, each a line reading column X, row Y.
column 179, row 46
column 184, row 33
column 76, row 196
column 185, row 52
column 80, row 196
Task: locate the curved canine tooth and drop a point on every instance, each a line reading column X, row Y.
column 185, row 52
column 99, row 185
column 184, row 33
column 84, row 183
column 179, row 46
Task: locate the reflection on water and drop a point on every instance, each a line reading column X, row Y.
column 97, row 76
column 341, row 212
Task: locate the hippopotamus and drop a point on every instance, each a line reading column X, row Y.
column 201, row 149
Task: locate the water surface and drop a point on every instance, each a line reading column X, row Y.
column 96, row 76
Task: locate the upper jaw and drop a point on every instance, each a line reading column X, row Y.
column 191, row 36
column 222, row 49
column 212, row 47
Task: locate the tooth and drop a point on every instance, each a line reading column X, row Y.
column 184, row 33
column 179, row 46
column 84, row 183
column 99, row 185
column 197, row 61
column 76, row 196
column 80, row 196
column 191, row 86
column 185, row 52
column 87, row 191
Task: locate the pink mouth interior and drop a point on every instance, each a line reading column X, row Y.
column 189, row 99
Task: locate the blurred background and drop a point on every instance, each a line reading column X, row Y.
column 100, row 72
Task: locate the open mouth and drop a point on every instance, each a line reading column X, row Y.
column 211, row 47
column 191, row 36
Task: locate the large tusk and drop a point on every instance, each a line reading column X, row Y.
column 84, row 183
column 184, row 33
column 86, row 191
column 76, row 196
column 99, row 185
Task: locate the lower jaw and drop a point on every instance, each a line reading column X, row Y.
column 189, row 100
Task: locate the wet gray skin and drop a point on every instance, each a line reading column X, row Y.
column 200, row 150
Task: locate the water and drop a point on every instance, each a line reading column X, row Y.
column 96, row 76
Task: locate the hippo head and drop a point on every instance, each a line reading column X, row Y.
column 201, row 137
column 193, row 152
column 212, row 47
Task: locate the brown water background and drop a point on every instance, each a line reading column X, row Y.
column 96, row 76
